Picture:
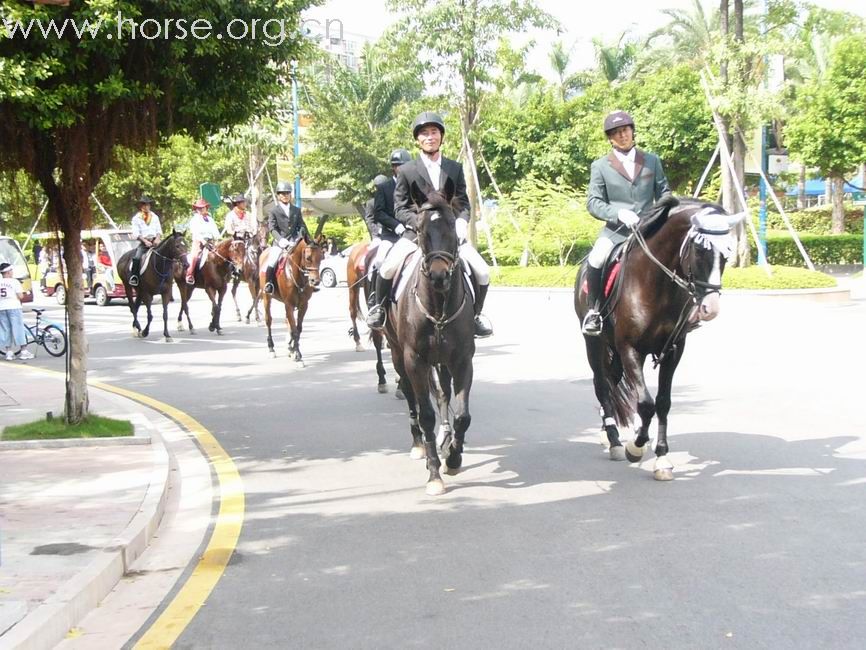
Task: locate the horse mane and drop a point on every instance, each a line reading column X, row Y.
column 667, row 207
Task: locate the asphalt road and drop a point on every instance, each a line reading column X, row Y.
column 541, row 541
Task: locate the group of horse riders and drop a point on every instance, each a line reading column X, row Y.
column 147, row 230
column 623, row 184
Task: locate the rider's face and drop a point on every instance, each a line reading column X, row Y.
column 622, row 137
column 284, row 197
column 430, row 139
column 145, row 207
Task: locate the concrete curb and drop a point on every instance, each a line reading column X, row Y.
column 61, row 443
column 48, row 624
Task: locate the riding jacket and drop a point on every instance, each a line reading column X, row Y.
column 414, row 186
column 612, row 189
column 383, row 210
column 286, row 222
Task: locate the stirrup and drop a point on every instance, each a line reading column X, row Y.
column 269, row 288
column 482, row 330
column 190, row 280
column 592, row 323
column 133, row 280
column 376, row 317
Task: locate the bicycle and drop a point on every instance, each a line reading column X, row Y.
column 50, row 336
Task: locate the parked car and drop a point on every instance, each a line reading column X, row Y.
column 332, row 270
column 10, row 251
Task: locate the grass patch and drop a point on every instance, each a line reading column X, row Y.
column 93, row 427
column 753, row 277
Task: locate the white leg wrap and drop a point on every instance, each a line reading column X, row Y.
column 609, row 422
column 634, row 450
column 662, row 462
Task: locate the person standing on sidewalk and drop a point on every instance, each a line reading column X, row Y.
column 11, row 318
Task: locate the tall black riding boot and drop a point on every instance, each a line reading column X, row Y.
column 271, row 279
column 481, row 329
column 376, row 316
column 133, row 274
column 592, row 321
column 371, row 296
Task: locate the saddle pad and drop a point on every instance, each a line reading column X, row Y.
column 281, row 264
column 405, row 272
column 144, row 262
column 202, row 259
column 610, row 279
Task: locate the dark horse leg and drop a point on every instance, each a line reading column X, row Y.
column 462, row 378
column 418, row 373
column 663, row 470
column 302, row 311
column 134, row 304
column 185, row 294
column 605, row 373
column 445, row 435
column 166, row 298
column 147, row 303
column 235, row 282
column 268, row 320
column 417, row 452
column 377, row 339
column 216, row 299
column 646, row 407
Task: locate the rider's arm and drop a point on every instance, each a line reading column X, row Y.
column 404, row 209
column 661, row 181
column 276, row 235
column 380, row 211
column 460, row 195
column 596, row 197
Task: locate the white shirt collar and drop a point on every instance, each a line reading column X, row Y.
column 625, row 156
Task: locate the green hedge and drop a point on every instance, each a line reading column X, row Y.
column 752, row 277
column 822, row 249
column 816, row 221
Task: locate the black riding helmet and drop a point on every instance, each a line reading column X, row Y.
column 380, row 179
column 425, row 118
column 238, row 198
column 144, row 198
column 617, row 119
column 400, row 157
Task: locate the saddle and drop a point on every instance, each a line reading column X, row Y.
column 202, row 259
column 610, row 274
column 145, row 260
column 404, row 274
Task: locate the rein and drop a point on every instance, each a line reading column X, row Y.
column 439, row 324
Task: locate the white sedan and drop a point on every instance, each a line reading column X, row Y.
column 332, row 270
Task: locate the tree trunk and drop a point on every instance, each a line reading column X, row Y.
column 742, row 255
column 801, row 188
column 828, row 190
column 838, row 223
column 472, row 188
column 77, row 400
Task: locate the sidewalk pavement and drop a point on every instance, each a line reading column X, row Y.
column 72, row 519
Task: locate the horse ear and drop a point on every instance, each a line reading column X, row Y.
column 734, row 219
column 449, row 187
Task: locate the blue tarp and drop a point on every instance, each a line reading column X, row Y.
column 815, row 187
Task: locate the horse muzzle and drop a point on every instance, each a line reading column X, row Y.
column 708, row 308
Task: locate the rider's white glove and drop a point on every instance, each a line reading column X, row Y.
column 283, row 243
column 462, row 227
column 628, row 217
column 400, row 229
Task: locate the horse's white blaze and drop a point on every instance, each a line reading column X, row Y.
column 716, row 273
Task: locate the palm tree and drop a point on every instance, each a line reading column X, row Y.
column 615, row 61
column 687, row 38
column 560, row 59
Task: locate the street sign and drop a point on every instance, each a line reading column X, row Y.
column 859, row 198
column 210, row 192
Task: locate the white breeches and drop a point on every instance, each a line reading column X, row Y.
column 273, row 255
column 381, row 251
column 599, row 252
column 404, row 247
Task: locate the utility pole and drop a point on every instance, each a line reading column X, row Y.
column 297, row 145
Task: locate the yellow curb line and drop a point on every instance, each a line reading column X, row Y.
column 227, row 528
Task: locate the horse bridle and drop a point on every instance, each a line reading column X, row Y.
column 452, row 260
column 305, row 270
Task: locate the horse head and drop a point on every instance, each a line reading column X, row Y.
column 236, row 252
column 437, row 239
column 173, row 246
column 706, row 248
column 311, row 258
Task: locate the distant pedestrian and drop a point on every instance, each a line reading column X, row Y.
column 12, row 333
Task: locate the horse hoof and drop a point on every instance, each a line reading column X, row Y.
column 617, row 453
column 435, row 487
column 272, row 354
column 633, row 452
column 192, row 331
column 382, row 388
column 168, row 339
column 135, row 334
column 453, row 463
column 210, row 328
column 663, row 475
column 179, row 327
column 398, row 394
column 359, row 347
column 417, row 453
column 247, row 321
column 219, row 332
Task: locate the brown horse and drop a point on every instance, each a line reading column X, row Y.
column 156, row 279
column 357, row 277
column 431, row 327
column 249, row 273
column 670, row 279
column 213, row 277
column 295, row 286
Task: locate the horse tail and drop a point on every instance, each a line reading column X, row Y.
column 622, row 390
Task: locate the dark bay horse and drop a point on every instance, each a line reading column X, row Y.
column 670, row 279
column 358, row 265
column 213, row 277
column 431, row 328
column 249, row 273
column 295, row 286
column 154, row 280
